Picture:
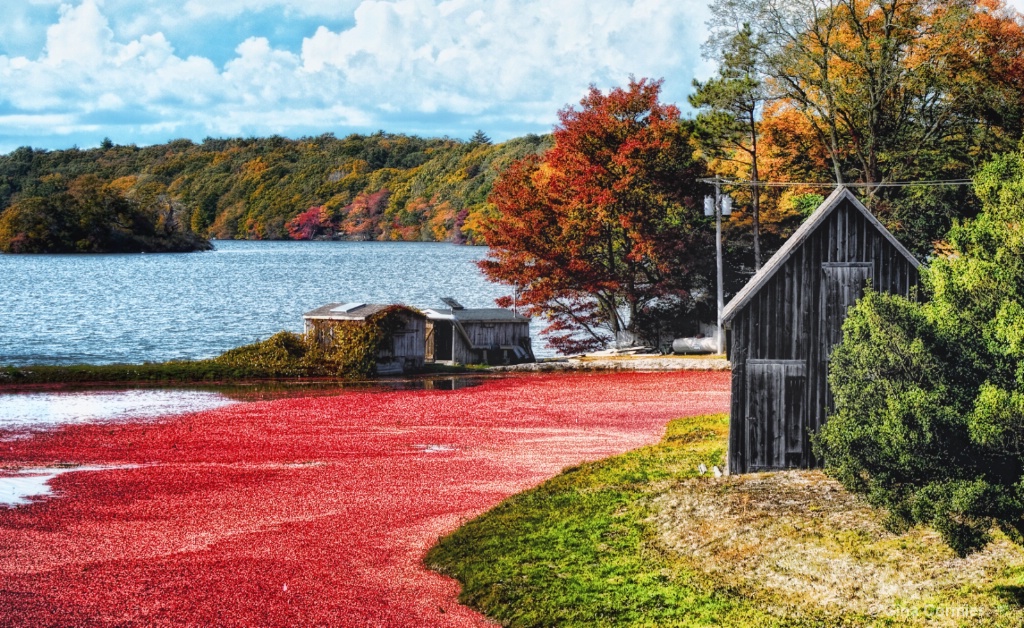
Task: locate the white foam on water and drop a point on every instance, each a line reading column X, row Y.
column 30, row 485
column 434, row 448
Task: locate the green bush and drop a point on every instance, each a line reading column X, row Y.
column 281, row 355
column 285, row 354
column 351, row 349
column 929, row 396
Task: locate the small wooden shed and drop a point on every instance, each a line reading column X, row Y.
column 477, row 336
column 783, row 325
column 403, row 348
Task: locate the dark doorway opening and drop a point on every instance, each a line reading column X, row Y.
column 443, row 336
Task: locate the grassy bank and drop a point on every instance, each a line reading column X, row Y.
column 283, row 356
column 192, row 371
column 179, row 372
column 578, row 549
column 641, row 539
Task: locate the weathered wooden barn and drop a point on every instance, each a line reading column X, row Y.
column 404, row 343
column 783, row 325
column 477, row 336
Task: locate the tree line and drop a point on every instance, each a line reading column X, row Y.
column 362, row 187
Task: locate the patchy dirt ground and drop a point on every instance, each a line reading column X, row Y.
column 308, row 511
column 798, row 539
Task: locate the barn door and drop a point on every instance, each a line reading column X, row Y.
column 775, row 411
column 843, row 283
column 428, row 353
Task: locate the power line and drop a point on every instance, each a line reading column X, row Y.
column 887, row 184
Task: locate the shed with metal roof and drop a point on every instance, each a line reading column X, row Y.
column 477, row 336
column 403, row 345
column 783, row 325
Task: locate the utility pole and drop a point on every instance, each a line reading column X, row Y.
column 720, row 205
column 718, row 262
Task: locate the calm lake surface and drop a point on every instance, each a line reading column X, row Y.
column 100, row 309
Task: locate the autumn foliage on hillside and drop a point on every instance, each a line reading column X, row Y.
column 603, row 229
column 377, row 187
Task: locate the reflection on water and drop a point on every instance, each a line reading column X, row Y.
column 42, row 410
column 269, row 390
column 52, row 409
column 433, row 448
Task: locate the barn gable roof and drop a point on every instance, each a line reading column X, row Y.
column 809, row 226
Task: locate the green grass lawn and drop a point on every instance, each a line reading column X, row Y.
column 641, row 540
column 577, row 550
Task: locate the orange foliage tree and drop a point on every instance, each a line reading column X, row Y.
column 891, row 90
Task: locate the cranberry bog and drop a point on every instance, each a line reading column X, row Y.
column 303, row 511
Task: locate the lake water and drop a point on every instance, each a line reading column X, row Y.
column 100, row 309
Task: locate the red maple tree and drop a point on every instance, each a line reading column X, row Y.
column 364, row 214
column 604, row 226
column 310, row 224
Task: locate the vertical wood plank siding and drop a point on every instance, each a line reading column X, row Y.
column 488, row 335
column 497, row 334
column 407, row 345
column 780, row 339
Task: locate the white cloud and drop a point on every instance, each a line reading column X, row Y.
column 261, row 75
column 81, row 37
column 83, row 69
column 232, row 8
column 41, row 121
column 470, row 57
column 402, row 65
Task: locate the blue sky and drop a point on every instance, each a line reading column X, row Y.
column 147, row 71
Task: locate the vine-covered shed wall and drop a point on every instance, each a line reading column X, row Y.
column 392, row 336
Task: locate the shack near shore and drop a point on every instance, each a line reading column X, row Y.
column 491, row 336
column 404, row 330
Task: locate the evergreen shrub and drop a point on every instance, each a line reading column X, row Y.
column 928, row 419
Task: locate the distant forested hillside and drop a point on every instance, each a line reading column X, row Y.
column 171, row 196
